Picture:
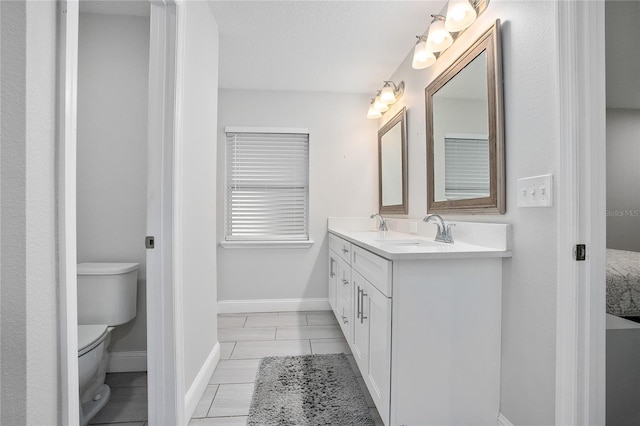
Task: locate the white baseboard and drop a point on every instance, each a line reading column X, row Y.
column 272, row 305
column 124, row 362
column 502, row 421
column 199, row 385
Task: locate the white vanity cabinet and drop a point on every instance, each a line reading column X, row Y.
column 424, row 331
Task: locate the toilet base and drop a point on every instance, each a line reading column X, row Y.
column 89, row 409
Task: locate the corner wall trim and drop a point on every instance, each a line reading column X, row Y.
column 503, row 421
column 272, row 305
column 199, row 385
column 126, row 362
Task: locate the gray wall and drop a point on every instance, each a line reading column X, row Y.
column 531, row 129
column 343, row 181
column 29, row 382
column 113, row 80
column 623, row 179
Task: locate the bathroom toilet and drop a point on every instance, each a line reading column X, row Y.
column 107, row 294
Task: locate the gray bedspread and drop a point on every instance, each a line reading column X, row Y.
column 623, row 282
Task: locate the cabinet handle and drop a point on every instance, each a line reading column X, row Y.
column 345, row 282
column 345, row 319
column 344, row 250
column 332, row 273
column 362, row 317
column 358, row 312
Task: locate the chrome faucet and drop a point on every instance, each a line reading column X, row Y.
column 444, row 232
column 383, row 222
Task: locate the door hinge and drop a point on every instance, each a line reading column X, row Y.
column 580, row 252
column 150, row 242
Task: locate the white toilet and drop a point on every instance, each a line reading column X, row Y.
column 107, row 294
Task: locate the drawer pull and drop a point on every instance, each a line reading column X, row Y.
column 362, row 317
column 345, row 282
column 345, row 320
column 344, row 250
column 332, row 273
column 359, row 312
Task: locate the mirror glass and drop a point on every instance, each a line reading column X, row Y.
column 465, row 161
column 392, row 161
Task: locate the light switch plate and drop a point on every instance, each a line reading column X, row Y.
column 535, row 191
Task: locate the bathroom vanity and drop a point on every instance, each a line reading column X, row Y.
column 422, row 319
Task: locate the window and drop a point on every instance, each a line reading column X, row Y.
column 267, row 185
column 466, row 166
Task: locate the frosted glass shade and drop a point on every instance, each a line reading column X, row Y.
column 460, row 15
column 387, row 96
column 372, row 113
column 438, row 38
column 380, row 106
column 422, row 57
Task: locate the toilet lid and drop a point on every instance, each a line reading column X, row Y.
column 105, row 268
column 89, row 336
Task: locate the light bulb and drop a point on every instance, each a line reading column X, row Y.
column 422, row 57
column 438, row 38
column 460, row 15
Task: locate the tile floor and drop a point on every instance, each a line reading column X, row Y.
column 244, row 340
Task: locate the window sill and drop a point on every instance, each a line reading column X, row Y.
column 266, row 244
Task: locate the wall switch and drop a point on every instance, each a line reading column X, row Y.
column 535, row 191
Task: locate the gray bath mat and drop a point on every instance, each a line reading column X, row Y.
column 308, row 390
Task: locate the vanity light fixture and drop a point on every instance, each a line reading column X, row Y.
column 443, row 31
column 385, row 97
column 438, row 38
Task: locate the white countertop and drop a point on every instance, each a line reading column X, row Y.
column 394, row 245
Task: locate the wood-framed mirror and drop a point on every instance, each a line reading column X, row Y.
column 465, row 132
column 392, row 165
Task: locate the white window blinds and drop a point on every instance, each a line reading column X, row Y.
column 466, row 166
column 267, row 186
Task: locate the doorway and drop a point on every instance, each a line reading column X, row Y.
column 163, row 369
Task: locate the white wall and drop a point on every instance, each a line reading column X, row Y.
column 200, row 103
column 29, row 379
column 343, row 181
column 531, row 125
column 623, row 179
column 113, row 81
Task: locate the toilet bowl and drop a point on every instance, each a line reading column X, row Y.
column 107, row 294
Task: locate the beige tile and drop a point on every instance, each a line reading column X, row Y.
column 235, row 371
column 282, row 319
column 232, row 400
column 246, row 350
column 226, row 348
column 231, row 322
column 321, row 318
column 309, row 332
column 238, row 334
column 205, row 402
column 220, row 421
column 330, row 346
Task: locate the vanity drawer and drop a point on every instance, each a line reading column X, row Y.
column 374, row 268
column 341, row 247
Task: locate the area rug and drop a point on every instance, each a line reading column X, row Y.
column 308, row 390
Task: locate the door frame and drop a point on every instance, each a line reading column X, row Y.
column 165, row 363
column 581, row 319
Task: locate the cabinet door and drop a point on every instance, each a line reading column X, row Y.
column 360, row 341
column 333, row 280
column 377, row 312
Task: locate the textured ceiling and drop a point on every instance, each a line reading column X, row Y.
column 330, row 46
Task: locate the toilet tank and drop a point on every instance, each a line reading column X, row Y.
column 107, row 293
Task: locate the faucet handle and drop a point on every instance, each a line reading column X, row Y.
column 448, row 236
